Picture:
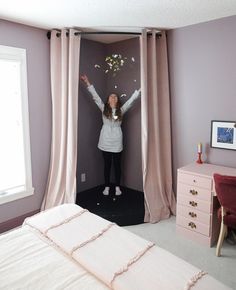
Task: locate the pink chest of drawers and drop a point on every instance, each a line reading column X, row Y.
column 197, row 203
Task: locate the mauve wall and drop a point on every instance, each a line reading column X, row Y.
column 37, row 48
column 202, row 61
column 90, row 159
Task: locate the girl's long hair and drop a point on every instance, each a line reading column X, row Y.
column 107, row 112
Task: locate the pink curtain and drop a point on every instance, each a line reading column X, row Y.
column 156, row 131
column 64, row 53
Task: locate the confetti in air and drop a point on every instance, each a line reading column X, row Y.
column 135, row 81
column 114, row 63
column 115, row 86
column 123, row 95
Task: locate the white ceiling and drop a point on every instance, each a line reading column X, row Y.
column 115, row 15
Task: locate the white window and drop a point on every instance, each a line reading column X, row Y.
column 15, row 159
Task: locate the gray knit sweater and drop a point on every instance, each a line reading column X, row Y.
column 111, row 137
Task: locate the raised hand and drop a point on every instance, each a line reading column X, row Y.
column 85, row 79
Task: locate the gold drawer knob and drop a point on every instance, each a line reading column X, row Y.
column 192, row 225
column 193, row 192
column 193, row 203
column 192, row 214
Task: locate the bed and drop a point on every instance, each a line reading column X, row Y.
column 67, row 247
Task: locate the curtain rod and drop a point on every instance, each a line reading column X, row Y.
column 99, row 32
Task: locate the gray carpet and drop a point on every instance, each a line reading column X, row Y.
column 164, row 235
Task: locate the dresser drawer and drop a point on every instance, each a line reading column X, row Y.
column 195, row 236
column 193, row 225
column 194, row 214
column 195, row 180
column 194, row 191
column 194, row 203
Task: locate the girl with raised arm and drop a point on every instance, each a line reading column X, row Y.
column 111, row 137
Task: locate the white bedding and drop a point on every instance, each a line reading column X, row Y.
column 27, row 262
column 53, row 249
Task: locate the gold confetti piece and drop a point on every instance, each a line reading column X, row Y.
column 123, row 95
column 106, row 71
column 97, row 66
column 132, row 58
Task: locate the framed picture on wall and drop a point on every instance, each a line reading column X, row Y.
column 223, row 134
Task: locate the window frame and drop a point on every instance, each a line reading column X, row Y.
column 19, row 54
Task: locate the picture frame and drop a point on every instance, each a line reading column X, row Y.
column 223, row 134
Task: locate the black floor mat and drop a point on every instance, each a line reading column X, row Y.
column 126, row 209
